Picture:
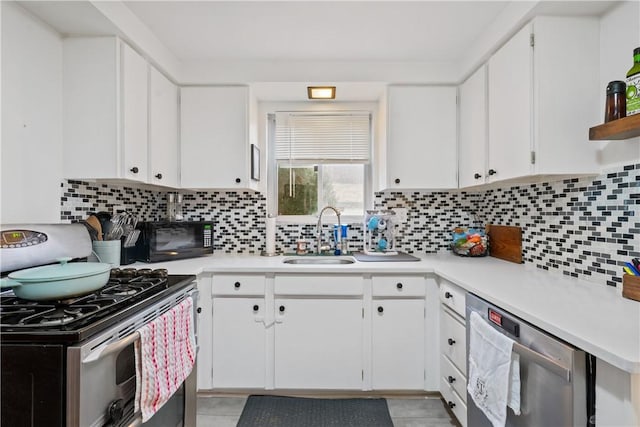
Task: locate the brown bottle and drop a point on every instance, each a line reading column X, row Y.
column 616, row 104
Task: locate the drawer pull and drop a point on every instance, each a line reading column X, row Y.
column 257, row 307
column 399, row 286
column 199, row 310
column 451, row 404
column 281, row 309
column 134, row 169
column 236, row 285
column 450, row 379
column 448, row 295
column 380, row 309
column 451, row 341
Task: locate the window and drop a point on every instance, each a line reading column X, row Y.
column 321, row 159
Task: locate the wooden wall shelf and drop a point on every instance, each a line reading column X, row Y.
column 624, row 128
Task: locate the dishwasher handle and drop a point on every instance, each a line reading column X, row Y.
column 543, row 361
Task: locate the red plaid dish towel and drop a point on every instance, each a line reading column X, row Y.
column 165, row 355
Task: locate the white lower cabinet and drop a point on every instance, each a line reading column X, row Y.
column 318, row 343
column 453, row 351
column 238, row 350
column 398, row 337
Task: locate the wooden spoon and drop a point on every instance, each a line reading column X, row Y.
column 95, row 223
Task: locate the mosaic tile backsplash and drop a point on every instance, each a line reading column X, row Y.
column 578, row 227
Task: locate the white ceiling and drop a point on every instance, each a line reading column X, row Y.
column 317, row 30
column 241, row 34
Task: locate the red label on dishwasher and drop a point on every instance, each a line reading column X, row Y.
column 495, row 317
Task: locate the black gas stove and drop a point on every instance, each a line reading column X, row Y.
column 68, row 321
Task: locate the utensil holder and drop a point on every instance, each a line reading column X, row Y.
column 107, row 251
column 631, row 287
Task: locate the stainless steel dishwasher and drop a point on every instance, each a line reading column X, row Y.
column 557, row 389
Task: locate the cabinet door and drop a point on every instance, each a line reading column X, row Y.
column 318, row 344
column 134, row 80
column 398, row 344
column 511, row 108
column 214, row 143
column 421, row 140
column 238, row 351
column 163, row 130
column 473, row 129
column 204, row 328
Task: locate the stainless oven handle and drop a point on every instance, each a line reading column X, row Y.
column 115, row 347
column 137, row 421
column 543, row 361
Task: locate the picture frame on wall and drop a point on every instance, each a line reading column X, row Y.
column 255, row 162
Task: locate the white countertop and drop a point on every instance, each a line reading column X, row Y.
column 593, row 317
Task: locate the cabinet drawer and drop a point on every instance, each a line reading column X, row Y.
column 453, row 378
column 453, row 340
column 327, row 284
column 453, row 297
column 399, row 286
column 235, row 284
column 454, row 401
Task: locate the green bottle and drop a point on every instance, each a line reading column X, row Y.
column 633, row 85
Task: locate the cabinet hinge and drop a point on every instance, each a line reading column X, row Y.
column 532, row 39
column 533, row 157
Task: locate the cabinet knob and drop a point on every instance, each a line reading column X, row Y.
column 199, row 310
column 399, row 285
column 447, row 295
column 380, row 309
column 477, row 176
column 451, row 404
column 256, row 307
column 492, row 172
column 451, row 341
column 236, row 285
column 397, row 180
column 238, row 180
column 159, row 176
column 134, row 169
column 450, row 379
column 281, row 308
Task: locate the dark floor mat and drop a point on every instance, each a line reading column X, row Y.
column 279, row 411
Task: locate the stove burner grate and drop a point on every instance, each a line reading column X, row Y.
column 118, row 293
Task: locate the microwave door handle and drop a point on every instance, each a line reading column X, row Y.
column 102, row 352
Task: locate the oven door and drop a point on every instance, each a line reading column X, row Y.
column 101, row 380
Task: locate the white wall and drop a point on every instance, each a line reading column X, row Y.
column 619, row 35
column 31, row 147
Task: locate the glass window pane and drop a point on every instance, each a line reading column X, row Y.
column 343, row 187
column 297, row 190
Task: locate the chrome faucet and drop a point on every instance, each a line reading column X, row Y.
column 319, row 247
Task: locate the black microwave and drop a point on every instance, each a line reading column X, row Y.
column 166, row 241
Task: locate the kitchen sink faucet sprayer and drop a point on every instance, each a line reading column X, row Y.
column 319, row 247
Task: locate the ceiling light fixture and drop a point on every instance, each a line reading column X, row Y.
column 321, row 92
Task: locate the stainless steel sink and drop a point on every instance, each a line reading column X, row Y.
column 318, row 260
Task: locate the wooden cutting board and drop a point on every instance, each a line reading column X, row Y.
column 505, row 242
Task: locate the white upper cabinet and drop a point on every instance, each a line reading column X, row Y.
column 163, row 130
column 105, row 116
column 421, row 138
column 473, row 130
column 543, row 95
column 215, row 148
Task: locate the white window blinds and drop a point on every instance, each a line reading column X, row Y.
column 323, row 137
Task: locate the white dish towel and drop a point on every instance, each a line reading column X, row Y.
column 165, row 355
column 494, row 371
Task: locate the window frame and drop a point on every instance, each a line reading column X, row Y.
column 328, row 217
